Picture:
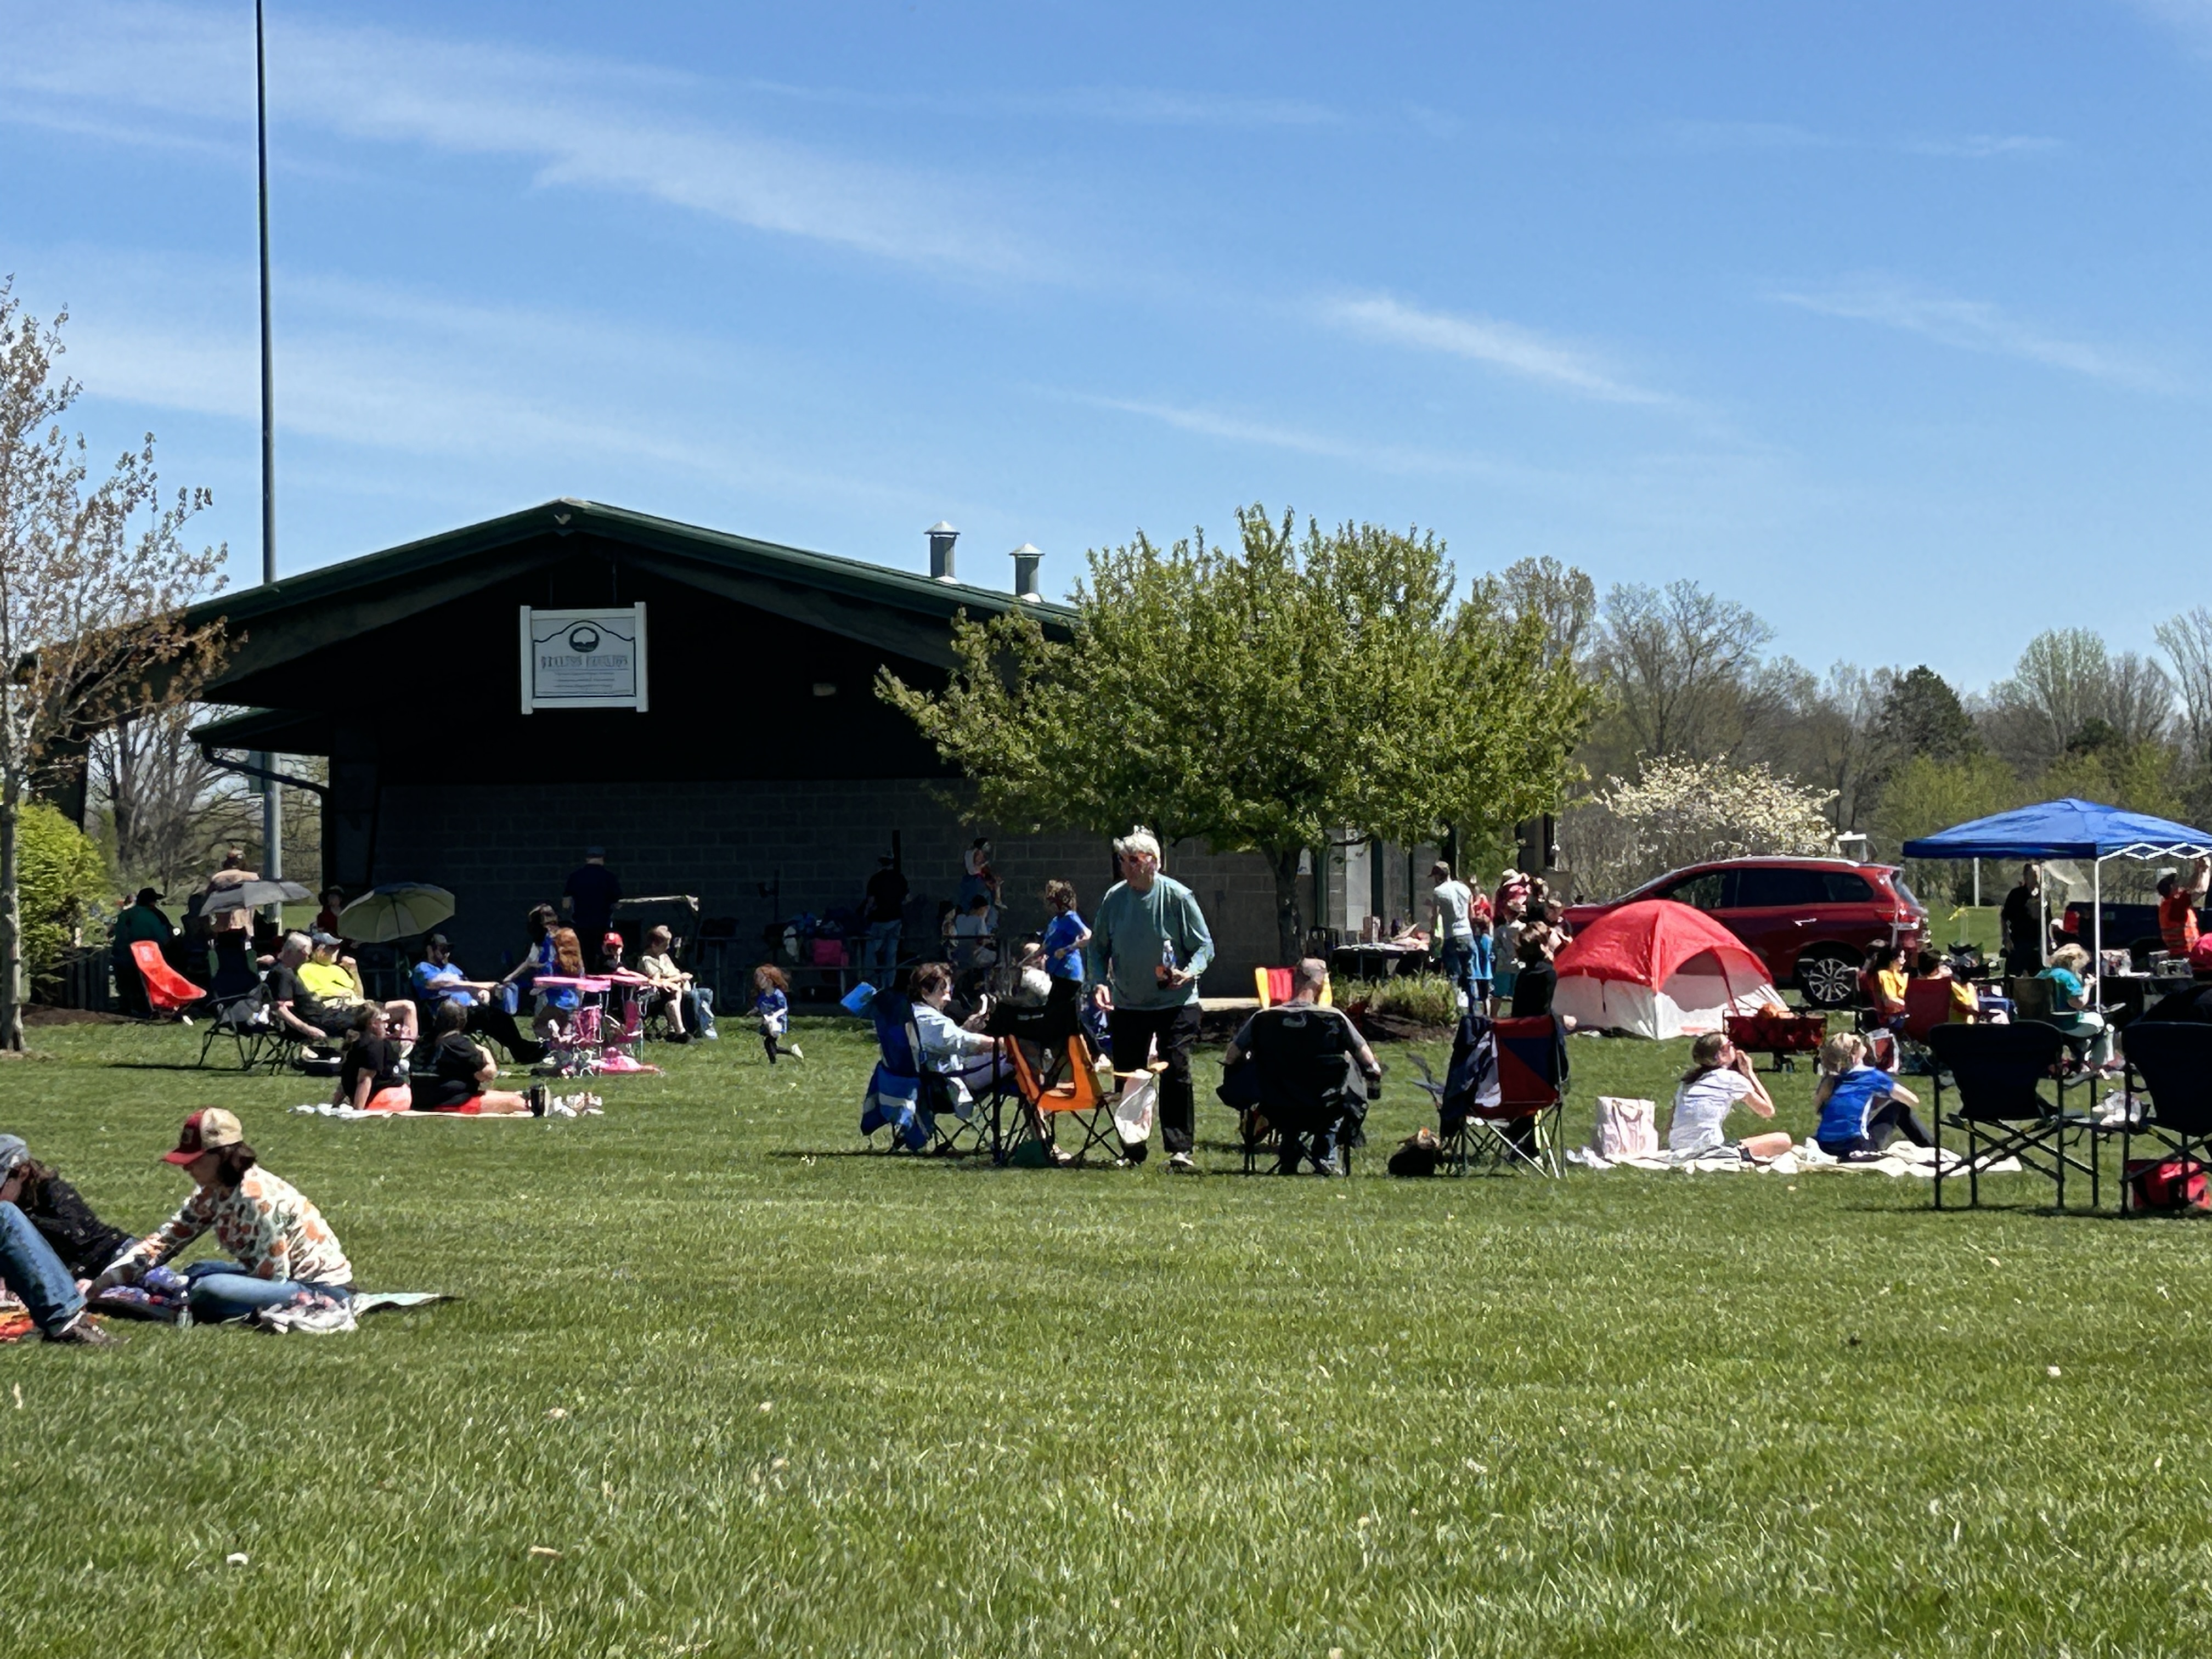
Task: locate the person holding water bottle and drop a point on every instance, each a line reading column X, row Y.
column 1149, row 948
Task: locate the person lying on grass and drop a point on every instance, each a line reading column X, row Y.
column 372, row 1076
column 51, row 1247
column 455, row 1074
column 1860, row 1106
column 1720, row 1076
column 279, row 1244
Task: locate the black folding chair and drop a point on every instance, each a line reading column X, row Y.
column 250, row 1023
column 1998, row 1072
column 1307, row 1084
column 2172, row 1060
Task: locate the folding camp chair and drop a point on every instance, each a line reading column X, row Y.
column 1998, row 1072
column 1045, row 1105
column 167, row 991
column 922, row 1109
column 249, row 1021
column 1276, row 985
column 2172, row 1061
column 1504, row 1094
column 1305, row 1081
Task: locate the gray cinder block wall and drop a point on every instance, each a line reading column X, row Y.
column 501, row 848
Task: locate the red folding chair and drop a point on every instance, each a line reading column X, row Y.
column 1516, row 1124
column 167, row 991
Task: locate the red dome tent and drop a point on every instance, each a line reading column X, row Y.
column 1658, row 968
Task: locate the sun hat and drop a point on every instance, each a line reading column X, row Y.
column 205, row 1131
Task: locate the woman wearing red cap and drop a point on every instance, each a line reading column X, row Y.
column 279, row 1244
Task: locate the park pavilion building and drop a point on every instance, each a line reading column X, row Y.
column 494, row 700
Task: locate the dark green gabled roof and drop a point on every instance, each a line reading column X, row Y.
column 381, row 587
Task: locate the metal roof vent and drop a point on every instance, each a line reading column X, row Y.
column 1025, row 573
column 941, row 538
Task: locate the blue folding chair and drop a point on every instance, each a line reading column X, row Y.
column 922, row 1109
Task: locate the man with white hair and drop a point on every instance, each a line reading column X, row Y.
column 1149, row 948
column 1307, row 1056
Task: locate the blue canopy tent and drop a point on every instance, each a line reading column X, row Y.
column 2067, row 829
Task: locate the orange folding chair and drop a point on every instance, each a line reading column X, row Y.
column 1277, row 985
column 1075, row 1101
column 167, row 991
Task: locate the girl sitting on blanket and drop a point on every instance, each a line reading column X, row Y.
column 458, row 1072
column 373, row 1077
column 279, row 1244
column 1860, row 1106
column 1720, row 1075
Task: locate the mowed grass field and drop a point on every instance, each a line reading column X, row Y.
column 759, row 1393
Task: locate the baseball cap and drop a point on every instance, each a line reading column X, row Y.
column 595, row 852
column 205, row 1132
column 13, row 1152
column 612, row 937
column 440, row 940
column 318, row 936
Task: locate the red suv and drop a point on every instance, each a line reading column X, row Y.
column 1809, row 919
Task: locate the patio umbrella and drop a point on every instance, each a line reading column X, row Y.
column 253, row 895
column 398, row 909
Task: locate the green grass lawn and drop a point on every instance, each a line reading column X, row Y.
column 763, row 1394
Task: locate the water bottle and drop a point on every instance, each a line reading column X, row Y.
column 1165, row 971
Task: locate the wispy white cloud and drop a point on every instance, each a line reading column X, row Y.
column 577, row 122
column 1972, row 326
column 1129, row 105
column 1207, row 422
column 1716, row 136
column 1506, row 346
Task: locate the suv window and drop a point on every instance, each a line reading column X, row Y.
column 1758, row 887
column 1701, row 892
column 1844, row 888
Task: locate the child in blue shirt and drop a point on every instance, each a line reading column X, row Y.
column 773, row 1008
column 1065, row 936
column 1860, row 1105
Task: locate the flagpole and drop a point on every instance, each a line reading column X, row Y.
column 273, row 796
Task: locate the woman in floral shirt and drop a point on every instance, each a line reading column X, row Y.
column 279, row 1242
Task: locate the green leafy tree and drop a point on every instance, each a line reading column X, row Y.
column 1921, row 714
column 62, row 884
column 1926, row 795
column 1264, row 699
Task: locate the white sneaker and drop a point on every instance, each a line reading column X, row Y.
column 795, row 1052
column 1180, row 1164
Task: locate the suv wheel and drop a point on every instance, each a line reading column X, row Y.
column 1829, row 978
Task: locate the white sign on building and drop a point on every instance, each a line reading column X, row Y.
column 583, row 659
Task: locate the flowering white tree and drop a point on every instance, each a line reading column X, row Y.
column 94, row 577
column 1680, row 811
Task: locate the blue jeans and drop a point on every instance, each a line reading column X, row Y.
column 883, row 946
column 1456, row 957
column 223, row 1290
column 30, row 1267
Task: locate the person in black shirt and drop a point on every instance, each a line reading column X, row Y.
column 884, row 905
column 51, row 1246
column 2020, row 921
column 452, row 1074
column 374, row 1075
column 589, row 898
column 1537, row 979
column 297, row 1009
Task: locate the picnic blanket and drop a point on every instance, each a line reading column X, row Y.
column 309, row 1315
column 1901, row 1159
column 562, row 1106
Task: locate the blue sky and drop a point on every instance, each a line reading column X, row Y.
column 1889, row 320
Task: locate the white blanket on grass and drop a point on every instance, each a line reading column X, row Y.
column 1901, row 1159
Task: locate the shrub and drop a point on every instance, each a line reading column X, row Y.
column 63, row 883
column 1419, row 998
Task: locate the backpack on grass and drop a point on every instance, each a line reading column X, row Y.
column 2168, row 1183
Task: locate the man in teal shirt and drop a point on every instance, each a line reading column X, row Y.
column 1149, row 948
